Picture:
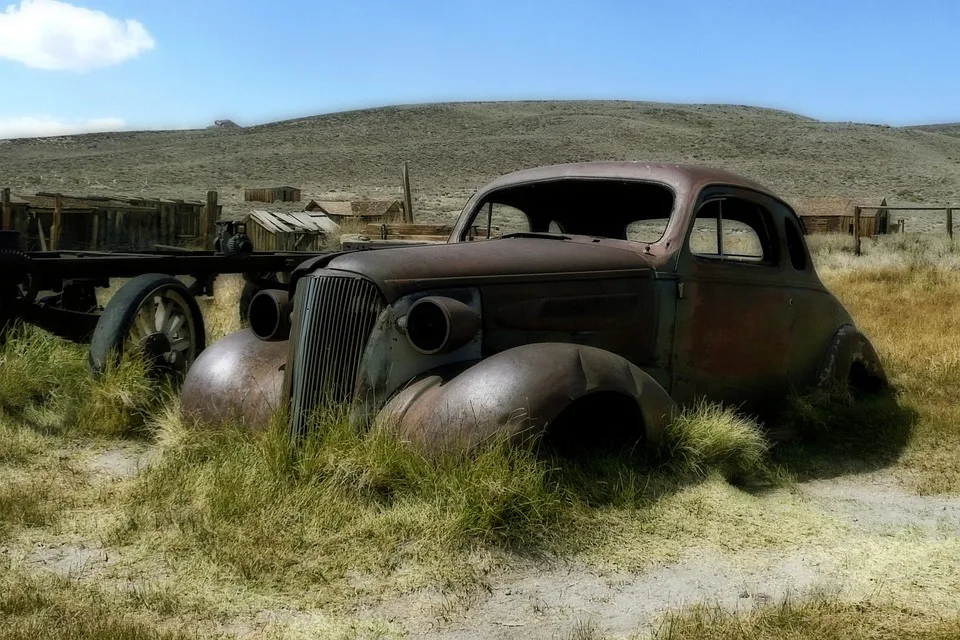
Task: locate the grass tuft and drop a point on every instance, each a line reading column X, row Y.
column 711, row 437
column 819, row 618
column 45, row 384
column 33, row 607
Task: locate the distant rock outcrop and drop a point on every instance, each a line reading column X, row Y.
column 225, row 124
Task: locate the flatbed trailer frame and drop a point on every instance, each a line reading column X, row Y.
column 56, row 290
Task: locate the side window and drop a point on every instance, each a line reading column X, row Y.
column 646, row 230
column 734, row 229
column 496, row 220
column 798, row 256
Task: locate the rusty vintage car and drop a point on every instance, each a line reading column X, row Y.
column 585, row 302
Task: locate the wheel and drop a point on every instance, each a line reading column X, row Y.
column 153, row 312
column 8, row 299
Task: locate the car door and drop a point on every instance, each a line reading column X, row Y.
column 732, row 339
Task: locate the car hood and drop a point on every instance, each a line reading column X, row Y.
column 399, row 271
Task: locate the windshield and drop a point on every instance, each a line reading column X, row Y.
column 619, row 209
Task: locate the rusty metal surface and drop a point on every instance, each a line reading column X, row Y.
column 564, row 316
column 238, row 378
column 849, row 347
column 401, row 271
column 517, row 394
column 685, row 181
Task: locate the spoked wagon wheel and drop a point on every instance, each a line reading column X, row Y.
column 155, row 313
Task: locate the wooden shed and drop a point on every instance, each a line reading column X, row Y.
column 272, row 194
column 300, row 231
column 833, row 214
column 105, row 222
column 360, row 211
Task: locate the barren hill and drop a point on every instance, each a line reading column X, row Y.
column 453, row 148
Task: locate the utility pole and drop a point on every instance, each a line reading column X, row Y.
column 407, row 198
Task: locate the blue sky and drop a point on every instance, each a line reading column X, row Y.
column 184, row 63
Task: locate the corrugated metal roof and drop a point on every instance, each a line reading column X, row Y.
column 299, row 222
column 358, row 208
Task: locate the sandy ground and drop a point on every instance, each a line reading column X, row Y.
column 555, row 599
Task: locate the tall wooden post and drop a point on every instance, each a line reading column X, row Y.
column 856, row 229
column 55, row 227
column 950, row 222
column 95, row 231
column 407, row 198
column 208, row 225
column 7, row 220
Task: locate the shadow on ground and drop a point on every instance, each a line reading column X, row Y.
column 816, row 437
column 829, row 437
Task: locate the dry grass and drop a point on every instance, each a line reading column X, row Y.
column 346, row 502
column 44, row 384
column 34, row 607
column 221, row 312
column 909, row 306
column 819, row 618
column 355, row 518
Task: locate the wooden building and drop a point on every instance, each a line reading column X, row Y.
column 273, row 194
column 831, row 214
column 300, row 231
column 49, row 221
column 359, row 211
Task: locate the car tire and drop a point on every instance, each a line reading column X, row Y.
column 157, row 313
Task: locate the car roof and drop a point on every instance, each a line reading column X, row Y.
column 683, row 178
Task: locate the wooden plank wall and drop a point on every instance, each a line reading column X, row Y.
column 839, row 224
column 139, row 226
column 272, row 194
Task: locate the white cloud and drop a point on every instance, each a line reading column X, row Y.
column 37, row 126
column 49, row 34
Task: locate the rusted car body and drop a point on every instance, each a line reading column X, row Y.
column 612, row 294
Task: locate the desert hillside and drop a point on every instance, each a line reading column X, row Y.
column 453, row 148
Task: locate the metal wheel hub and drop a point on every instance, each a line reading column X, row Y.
column 163, row 329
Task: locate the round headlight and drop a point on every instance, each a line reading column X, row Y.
column 437, row 324
column 270, row 314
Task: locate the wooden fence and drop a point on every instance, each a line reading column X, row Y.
column 49, row 221
column 858, row 210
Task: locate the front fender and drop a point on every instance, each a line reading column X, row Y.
column 516, row 394
column 238, row 378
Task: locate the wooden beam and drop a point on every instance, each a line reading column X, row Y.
column 866, row 207
column 95, row 231
column 407, row 197
column 856, row 229
column 55, row 227
column 208, row 221
column 7, row 220
column 42, row 234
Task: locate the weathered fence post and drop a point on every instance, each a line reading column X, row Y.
column 55, row 227
column 7, row 221
column 950, row 222
column 95, row 231
column 208, row 223
column 407, row 198
column 856, row 229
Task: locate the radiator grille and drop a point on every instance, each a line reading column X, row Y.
column 333, row 318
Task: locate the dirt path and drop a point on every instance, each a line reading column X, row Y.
column 557, row 602
column 890, row 534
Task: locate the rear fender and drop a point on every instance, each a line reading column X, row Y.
column 516, row 394
column 849, row 347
